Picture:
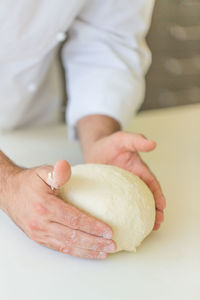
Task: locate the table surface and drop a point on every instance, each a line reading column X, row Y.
column 166, row 265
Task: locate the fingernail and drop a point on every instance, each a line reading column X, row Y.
column 107, row 234
column 51, row 178
column 151, row 141
column 109, row 248
column 102, row 255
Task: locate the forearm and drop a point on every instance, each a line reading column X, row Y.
column 7, row 169
column 93, row 127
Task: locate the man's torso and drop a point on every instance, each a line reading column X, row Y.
column 31, row 33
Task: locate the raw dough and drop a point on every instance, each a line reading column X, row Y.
column 114, row 196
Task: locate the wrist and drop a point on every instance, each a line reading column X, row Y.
column 8, row 170
column 93, row 128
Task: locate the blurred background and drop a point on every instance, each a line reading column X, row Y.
column 174, row 39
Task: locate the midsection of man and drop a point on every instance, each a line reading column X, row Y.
column 30, row 87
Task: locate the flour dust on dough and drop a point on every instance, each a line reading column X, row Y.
column 115, row 196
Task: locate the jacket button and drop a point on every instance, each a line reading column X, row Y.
column 61, row 36
column 32, row 87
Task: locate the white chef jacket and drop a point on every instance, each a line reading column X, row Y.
column 104, row 55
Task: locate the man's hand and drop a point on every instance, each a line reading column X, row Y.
column 121, row 149
column 29, row 200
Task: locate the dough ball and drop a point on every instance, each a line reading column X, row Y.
column 115, row 196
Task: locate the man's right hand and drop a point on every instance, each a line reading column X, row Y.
column 46, row 219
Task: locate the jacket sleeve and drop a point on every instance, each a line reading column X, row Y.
column 106, row 58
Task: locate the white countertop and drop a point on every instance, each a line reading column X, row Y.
column 166, row 266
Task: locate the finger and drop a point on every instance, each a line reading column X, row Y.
column 55, row 176
column 159, row 217
column 62, row 173
column 78, row 239
column 78, row 252
column 68, row 215
column 136, row 142
column 147, row 176
column 156, row 226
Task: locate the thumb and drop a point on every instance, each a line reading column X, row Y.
column 137, row 142
column 55, row 176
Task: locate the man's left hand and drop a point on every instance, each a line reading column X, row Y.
column 121, row 149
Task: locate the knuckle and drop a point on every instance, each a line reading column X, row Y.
column 42, row 244
column 151, row 181
column 40, row 209
column 34, row 225
column 73, row 237
column 61, row 248
column 64, row 249
column 71, row 215
column 33, row 236
column 127, row 156
column 74, row 220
